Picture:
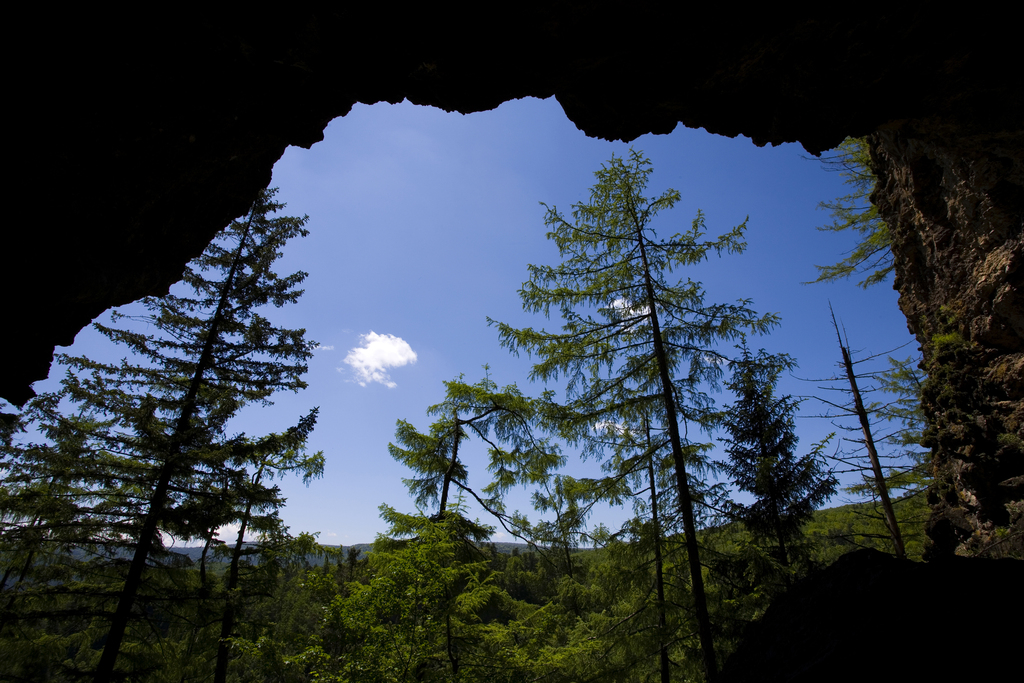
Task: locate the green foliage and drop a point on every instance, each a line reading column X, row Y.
column 761, row 447
column 615, row 267
column 634, row 345
column 501, row 419
column 897, row 426
column 605, row 271
column 272, row 642
column 252, row 566
column 524, row 618
column 421, row 615
column 873, row 254
column 839, row 530
column 641, row 355
column 903, row 380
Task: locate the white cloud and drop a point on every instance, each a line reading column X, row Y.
column 627, row 308
column 620, row 308
column 716, row 359
column 620, row 304
column 321, row 347
column 229, row 534
column 377, row 353
column 610, row 428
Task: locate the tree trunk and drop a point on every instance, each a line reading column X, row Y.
column 869, row 443
column 659, row 576
column 157, row 502
column 451, row 467
column 452, row 658
column 707, row 643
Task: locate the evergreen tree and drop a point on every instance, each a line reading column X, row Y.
column 872, row 257
column 146, row 457
column 762, row 456
column 652, row 350
column 45, row 568
column 570, row 501
column 909, row 469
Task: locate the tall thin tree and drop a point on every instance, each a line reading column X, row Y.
column 155, row 421
column 653, row 348
column 869, row 444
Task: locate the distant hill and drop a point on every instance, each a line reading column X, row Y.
column 194, row 553
column 838, row 529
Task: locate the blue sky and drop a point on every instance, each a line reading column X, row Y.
column 422, row 224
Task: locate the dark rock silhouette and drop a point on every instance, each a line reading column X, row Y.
column 871, row 617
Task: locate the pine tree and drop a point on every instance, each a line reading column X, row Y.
column 652, row 350
column 903, row 382
column 569, row 500
column 762, row 456
column 43, row 565
column 151, row 458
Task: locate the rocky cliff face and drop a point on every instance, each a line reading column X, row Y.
column 142, row 135
column 955, row 204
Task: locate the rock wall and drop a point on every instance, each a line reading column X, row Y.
column 955, row 207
